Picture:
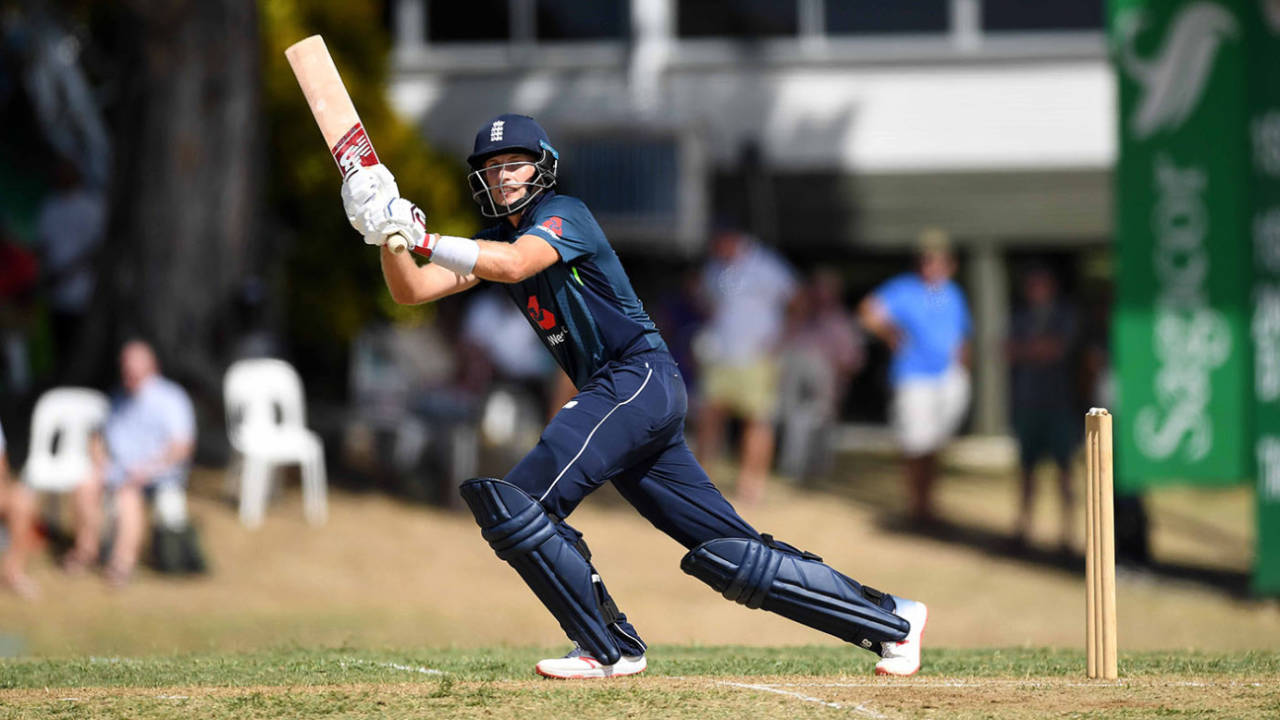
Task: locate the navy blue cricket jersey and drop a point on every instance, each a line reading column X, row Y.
column 583, row 307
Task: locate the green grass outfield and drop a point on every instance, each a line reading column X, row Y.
column 682, row 682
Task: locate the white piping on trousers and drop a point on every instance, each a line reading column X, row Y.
column 593, row 432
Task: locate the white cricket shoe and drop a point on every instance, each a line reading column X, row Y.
column 577, row 665
column 903, row 658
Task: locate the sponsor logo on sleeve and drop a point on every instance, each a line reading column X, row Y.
column 555, row 225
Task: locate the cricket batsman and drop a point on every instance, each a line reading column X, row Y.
column 625, row 425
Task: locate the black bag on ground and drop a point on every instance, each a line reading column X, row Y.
column 177, row 551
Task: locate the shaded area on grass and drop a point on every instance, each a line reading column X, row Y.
column 878, row 486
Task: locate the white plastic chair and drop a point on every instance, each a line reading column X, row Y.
column 266, row 424
column 62, row 424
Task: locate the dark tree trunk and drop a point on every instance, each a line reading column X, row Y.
column 183, row 210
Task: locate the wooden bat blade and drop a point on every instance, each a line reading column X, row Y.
column 330, row 104
column 333, row 111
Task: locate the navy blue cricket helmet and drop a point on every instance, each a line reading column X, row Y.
column 509, row 133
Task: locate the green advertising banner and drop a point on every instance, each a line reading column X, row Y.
column 1262, row 42
column 1181, row 327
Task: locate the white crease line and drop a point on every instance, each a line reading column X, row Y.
column 172, row 697
column 423, row 670
column 1020, row 683
column 393, row 666
column 765, row 688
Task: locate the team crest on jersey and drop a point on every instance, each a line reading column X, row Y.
column 555, row 225
column 495, row 131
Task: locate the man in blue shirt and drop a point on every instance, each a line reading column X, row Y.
column 146, row 446
column 624, row 426
column 150, row 437
column 923, row 318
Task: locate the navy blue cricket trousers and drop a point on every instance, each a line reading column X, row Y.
column 626, row 426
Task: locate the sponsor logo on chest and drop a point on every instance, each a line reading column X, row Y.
column 545, row 320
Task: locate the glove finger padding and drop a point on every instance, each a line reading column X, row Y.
column 365, row 191
column 403, row 217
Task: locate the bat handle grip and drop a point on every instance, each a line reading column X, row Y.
column 397, row 243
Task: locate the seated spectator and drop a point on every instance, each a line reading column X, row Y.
column 500, row 336
column 149, row 438
column 410, row 390
column 4, row 476
column 146, row 443
column 23, row 509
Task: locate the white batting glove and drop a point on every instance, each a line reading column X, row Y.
column 365, row 195
column 399, row 216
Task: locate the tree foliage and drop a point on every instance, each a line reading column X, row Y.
column 332, row 280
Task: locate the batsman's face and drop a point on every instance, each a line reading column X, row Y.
column 508, row 176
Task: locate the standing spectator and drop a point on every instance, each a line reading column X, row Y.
column 70, row 226
column 924, row 319
column 823, row 351
column 1042, row 334
column 746, row 287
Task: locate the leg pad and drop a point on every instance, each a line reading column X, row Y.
column 774, row 576
column 521, row 533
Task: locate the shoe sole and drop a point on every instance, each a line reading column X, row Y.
column 610, row 676
column 913, row 672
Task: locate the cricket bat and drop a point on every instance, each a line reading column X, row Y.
column 334, row 113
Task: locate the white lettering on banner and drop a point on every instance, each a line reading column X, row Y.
column 1190, row 338
column 557, row 338
column 1268, row 452
column 1266, row 239
column 1266, row 342
column 1265, row 132
column 1172, row 82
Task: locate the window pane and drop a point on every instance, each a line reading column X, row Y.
column 1000, row 15
column 736, row 18
column 582, row 19
column 451, row 20
column 636, row 178
column 887, row 16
